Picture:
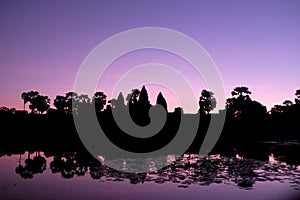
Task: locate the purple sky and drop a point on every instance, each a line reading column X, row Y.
column 253, row 43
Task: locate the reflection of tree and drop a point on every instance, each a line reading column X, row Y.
column 69, row 164
column 24, row 171
column 187, row 170
column 32, row 166
column 39, row 163
column 96, row 169
column 56, row 165
column 288, row 153
column 137, row 178
column 242, row 172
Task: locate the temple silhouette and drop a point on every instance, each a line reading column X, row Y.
column 247, row 121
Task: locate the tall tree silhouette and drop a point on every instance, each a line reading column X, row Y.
column 7, row 111
column 238, row 103
column 297, row 100
column 83, row 102
column 99, row 100
column 132, row 98
column 84, row 98
column 288, row 108
column 277, row 109
column 132, row 103
column 241, row 106
column 287, row 103
column 69, row 98
column 25, row 98
column 207, row 102
column 40, row 103
column 161, row 101
column 60, row 103
column 241, row 92
column 28, row 96
column 32, row 166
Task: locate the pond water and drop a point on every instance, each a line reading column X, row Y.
column 73, row 175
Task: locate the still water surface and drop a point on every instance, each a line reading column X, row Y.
column 70, row 175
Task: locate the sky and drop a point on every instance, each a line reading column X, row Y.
column 253, row 43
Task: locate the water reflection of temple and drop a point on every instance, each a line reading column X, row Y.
column 236, row 169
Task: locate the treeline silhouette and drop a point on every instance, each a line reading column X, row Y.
column 239, row 106
column 246, row 121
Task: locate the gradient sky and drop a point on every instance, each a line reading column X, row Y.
column 253, row 43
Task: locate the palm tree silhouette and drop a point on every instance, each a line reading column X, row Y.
column 25, row 98
column 28, row 96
